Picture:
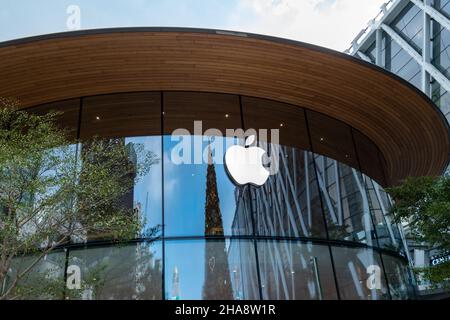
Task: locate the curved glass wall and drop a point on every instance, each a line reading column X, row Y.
column 319, row 228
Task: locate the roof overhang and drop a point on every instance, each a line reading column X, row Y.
column 407, row 127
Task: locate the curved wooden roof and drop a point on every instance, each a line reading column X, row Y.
column 406, row 126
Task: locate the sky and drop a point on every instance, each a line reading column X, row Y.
column 328, row 23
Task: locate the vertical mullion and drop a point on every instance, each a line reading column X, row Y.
column 77, row 145
column 163, row 273
column 252, row 208
column 322, row 207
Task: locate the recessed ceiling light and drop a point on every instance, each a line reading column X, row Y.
column 281, row 124
column 227, row 115
column 97, row 118
column 321, row 139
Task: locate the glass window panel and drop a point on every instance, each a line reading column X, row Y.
column 194, row 166
column 399, row 61
column 444, row 103
column 68, row 119
column 146, row 194
column 288, row 204
column 210, row 204
column 444, row 38
column 121, row 115
column 359, row 274
column 293, row 270
column 210, row 270
column 347, row 213
column 385, row 230
column 120, row 272
column 218, row 111
column 410, row 26
column 131, row 121
column 369, row 157
column 443, row 6
column 441, row 48
column 44, row 281
column 399, row 277
column 395, row 49
column 437, row 92
column 331, row 138
column 409, row 70
column 394, row 229
column 406, row 16
column 371, row 52
column 417, row 80
column 288, row 119
column 445, row 9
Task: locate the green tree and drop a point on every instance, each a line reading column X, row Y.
column 424, row 203
column 52, row 193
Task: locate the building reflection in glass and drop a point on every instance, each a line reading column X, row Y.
column 213, row 269
column 132, row 271
column 185, row 193
column 293, row 270
column 353, row 266
column 142, row 196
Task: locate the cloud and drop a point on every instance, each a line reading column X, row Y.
column 324, row 5
column 329, row 23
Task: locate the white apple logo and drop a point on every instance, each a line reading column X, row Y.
column 244, row 164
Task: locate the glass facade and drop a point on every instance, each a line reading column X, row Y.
column 315, row 230
column 408, row 24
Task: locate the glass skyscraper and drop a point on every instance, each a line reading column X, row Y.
column 411, row 38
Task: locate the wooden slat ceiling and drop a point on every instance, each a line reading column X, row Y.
column 406, row 126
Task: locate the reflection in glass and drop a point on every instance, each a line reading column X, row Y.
column 293, row 270
column 400, row 278
column 132, row 271
column 210, row 269
column 44, row 281
column 345, row 202
column 200, row 198
column 370, row 157
column 141, row 179
column 359, row 274
column 132, row 121
column 147, row 189
column 288, row 204
column 67, row 119
column 394, row 229
column 332, row 138
column 214, row 110
column 386, row 232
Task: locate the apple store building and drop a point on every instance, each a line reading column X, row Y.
column 272, row 157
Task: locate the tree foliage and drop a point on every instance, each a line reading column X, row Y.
column 424, row 203
column 54, row 190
